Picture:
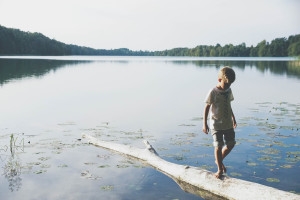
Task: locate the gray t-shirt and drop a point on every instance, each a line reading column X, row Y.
column 221, row 113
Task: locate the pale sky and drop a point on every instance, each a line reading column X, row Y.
column 154, row 24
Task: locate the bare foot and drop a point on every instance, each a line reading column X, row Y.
column 224, row 170
column 218, row 174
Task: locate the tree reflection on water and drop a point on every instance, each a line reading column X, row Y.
column 12, row 168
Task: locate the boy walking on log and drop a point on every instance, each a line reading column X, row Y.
column 222, row 120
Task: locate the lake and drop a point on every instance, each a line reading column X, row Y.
column 47, row 103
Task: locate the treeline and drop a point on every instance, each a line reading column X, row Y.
column 17, row 42
column 280, row 47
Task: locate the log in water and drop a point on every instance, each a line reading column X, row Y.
column 195, row 180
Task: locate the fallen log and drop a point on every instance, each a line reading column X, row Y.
column 195, row 180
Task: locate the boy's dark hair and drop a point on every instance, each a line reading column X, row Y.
column 227, row 74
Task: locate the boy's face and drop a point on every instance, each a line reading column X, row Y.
column 223, row 84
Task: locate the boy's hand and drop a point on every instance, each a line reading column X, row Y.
column 234, row 123
column 233, row 120
column 205, row 129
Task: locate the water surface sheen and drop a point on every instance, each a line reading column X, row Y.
column 46, row 103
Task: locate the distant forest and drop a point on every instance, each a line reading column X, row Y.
column 17, row 42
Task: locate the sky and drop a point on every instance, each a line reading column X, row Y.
column 154, row 24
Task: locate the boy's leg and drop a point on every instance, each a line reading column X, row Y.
column 218, row 144
column 225, row 151
column 229, row 137
column 218, row 157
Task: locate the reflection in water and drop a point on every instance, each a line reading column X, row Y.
column 197, row 191
column 289, row 68
column 21, row 68
column 12, row 168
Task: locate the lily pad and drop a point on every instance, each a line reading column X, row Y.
column 63, row 166
column 86, row 174
column 235, row 174
column 40, row 171
column 103, row 166
column 270, row 151
column 270, row 164
column 273, row 180
column 252, row 164
column 90, row 163
column 286, row 166
column 44, row 158
column 107, row 187
column 267, row 158
column 122, row 166
column 45, row 166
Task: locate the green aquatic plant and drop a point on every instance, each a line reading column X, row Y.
column 180, row 140
column 235, row 174
column 270, row 151
column 87, row 175
column 122, row 166
column 179, row 157
column 62, row 166
column 45, row 166
column 273, row 180
column 267, row 158
column 43, row 158
column 107, row 187
column 40, row 171
column 293, row 157
column 103, row 166
column 251, row 164
column 286, row 166
column 270, row 164
column 90, row 163
column 12, row 168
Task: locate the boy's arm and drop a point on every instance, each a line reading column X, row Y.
column 205, row 128
column 233, row 119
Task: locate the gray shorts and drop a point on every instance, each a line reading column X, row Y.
column 222, row 137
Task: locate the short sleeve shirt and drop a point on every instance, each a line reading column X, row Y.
column 221, row 113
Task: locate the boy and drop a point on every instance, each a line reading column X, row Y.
column 222, row 120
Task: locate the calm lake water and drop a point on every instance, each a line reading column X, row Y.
column 46, row 103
